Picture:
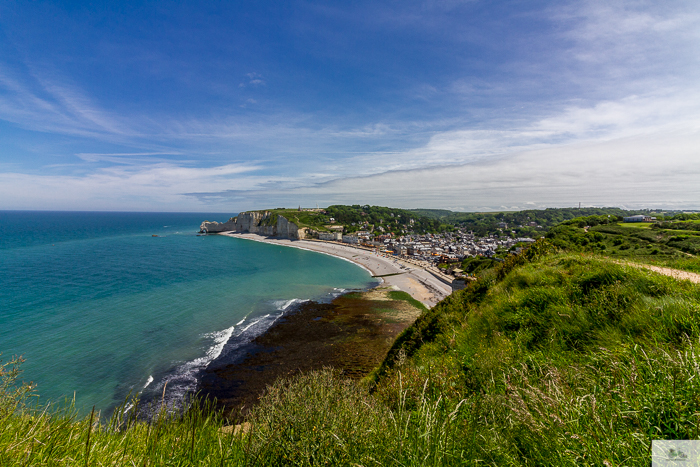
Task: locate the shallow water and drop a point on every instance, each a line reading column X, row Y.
column 100, row 308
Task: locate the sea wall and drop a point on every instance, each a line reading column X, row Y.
column 258, row 222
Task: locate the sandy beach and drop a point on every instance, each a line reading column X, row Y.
column 402, row 275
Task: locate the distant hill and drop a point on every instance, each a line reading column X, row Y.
column 484, row 223
column 529, row 223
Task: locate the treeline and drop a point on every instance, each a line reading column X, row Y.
column 397, row 221
column 484, row 223
column 529, row 223
column 685, row 216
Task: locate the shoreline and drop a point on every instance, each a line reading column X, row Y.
column 352, row 334
column 401, row 275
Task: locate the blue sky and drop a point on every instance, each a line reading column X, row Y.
column 465, row 105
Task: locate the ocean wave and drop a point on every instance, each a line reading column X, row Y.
column 226, row 347
column 150, row 380
column 220, row 340
column 253, row 324
column 283, row 305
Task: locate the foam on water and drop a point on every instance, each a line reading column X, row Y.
column 254, row 323
column 174, row 387
column 220, row 339
column 150, row 380
column 283, row 305
column 184, row 377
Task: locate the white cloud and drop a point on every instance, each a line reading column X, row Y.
column 132, row 188
column 639, row 151
column 135, row 158
column 630, row 43
column 637, row 171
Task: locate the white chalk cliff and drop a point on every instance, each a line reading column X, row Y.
column 259, row 222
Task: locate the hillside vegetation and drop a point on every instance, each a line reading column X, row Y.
column 356, row 217
column 550, row 358
column 484, row 223
column 394, row 220
column 674, row 243
column 308, row 219
column 529, row 223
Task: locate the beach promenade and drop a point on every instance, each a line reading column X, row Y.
column 422, row 285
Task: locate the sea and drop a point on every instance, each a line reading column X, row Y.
column 104, row 306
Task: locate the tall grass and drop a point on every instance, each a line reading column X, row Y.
column 54, row 435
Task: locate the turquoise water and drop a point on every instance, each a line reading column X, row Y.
column 99, row 307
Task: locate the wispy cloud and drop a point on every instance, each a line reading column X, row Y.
column 635, row 171
column 602, row 154
column 136, row 158
column 254, row 79
column 38, row 104
column 630, row 45
column 157, row 185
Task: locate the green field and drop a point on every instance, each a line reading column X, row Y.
column 670, row 243
column 635, row 225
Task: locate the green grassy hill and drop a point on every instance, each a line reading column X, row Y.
column 674, row 243
column 550, row 358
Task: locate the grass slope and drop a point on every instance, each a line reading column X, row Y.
column 548, row 359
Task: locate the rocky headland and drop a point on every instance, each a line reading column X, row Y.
column 264, row 223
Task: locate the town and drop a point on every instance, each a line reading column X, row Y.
column 447, row 249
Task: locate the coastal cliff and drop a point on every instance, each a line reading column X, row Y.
column 259, row 222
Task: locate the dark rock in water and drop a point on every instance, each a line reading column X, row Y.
column 352, row 334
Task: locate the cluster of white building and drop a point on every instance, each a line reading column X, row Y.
column 449, row 246
column 444, row 247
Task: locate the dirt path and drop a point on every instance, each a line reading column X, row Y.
column 675, row 273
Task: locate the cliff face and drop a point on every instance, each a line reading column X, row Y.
column 260, row 223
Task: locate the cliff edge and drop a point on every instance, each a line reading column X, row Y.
column 258, row 222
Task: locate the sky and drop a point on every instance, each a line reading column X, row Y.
column 470, row 105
